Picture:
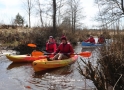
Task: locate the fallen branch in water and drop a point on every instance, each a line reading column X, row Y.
column 117, row 81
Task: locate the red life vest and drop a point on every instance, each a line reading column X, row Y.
column 65, row 48
column 91, row 40
column 50, row 47
column 101, row 40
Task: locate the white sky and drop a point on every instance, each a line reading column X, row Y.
column 10, row 8
column 90, row 10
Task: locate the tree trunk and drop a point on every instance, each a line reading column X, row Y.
column 29, row 20
column 41, row 20
column 122, row 5
column 72, row 21
column 54, row 17
column 40, row 11
column 29, row 12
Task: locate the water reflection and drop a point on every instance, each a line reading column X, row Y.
column 63, row 78
column 51, row 81
column 15, row 65
column 21, row 76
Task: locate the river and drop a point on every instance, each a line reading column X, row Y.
column 21, row 76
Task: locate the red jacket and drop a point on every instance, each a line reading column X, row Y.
column 65, row 48
column 50, row 47
column 91, row 40
column 101, row 40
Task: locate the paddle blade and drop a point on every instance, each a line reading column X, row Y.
column 31, row 45
column 37, row 53
column 85, row 54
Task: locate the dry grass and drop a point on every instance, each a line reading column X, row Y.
column 39, row 36
column 109, row 69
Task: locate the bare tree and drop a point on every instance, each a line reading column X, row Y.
column 122, row 6
column 60, row 9
column 66, row 23
column 28, row 5
column 54, row 16
column 40, row 12
column 110, row 11
column 73, row 11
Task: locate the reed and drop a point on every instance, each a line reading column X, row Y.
column 109, row 71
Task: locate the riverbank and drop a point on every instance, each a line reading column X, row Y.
column 109, row 65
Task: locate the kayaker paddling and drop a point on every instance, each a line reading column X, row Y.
column 101, row 39
column 90, row 39
column 64, row 50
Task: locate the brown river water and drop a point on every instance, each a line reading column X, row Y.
column 21, row 76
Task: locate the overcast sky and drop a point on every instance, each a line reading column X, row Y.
column 10, row 8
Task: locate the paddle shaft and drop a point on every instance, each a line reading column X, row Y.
column 38, row 53
column 84, row 54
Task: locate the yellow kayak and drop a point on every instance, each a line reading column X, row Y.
column 43, row 64
column 24, row 58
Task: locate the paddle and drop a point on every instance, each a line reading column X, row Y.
column 34, row 53
column 39, row 53
column 31, row 45
column 85, row 54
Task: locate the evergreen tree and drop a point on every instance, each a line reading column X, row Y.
column 19, row 20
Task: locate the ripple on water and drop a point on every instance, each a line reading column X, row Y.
column 22, row 77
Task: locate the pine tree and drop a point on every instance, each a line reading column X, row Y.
column 19, row 20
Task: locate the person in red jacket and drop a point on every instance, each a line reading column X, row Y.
column 64, row 50
column 51, row 45
column 90, row 39
column 101, row 39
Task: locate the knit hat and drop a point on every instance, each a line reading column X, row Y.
column 63, row 38
column 91, row 35
column 50, row 36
